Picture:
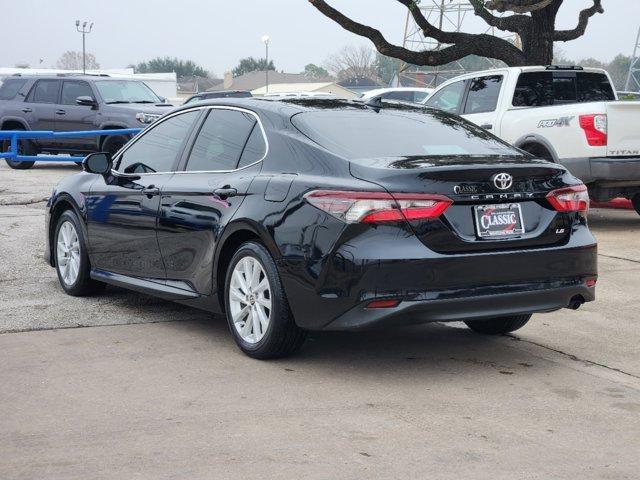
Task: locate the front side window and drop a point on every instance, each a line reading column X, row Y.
column 158, row 149
column 72, row 89
column 126, row 91
column 221, row 140
column 483, row 94
column 448, row 99
column 44, row 91
column 365, row 134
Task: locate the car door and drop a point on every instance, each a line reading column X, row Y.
column 199, row 201
column 481, row 102
column 73, row 117
column 40, row 107
column 122, row 210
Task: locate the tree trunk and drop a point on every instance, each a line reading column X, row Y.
column 537, row 41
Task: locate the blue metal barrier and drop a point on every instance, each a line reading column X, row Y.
column 15, row 135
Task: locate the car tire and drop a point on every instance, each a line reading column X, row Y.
column 254, row 296
column 71, row 259
column 498, row 326
column 113, row 143
column 25, row 147
column 636, row 202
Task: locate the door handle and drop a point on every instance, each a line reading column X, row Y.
column 60, row 112
column 225, row 192
column 487, row 126
column 150, row 191
column 27, row 110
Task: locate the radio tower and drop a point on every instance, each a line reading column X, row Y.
column 448, row 15
column 633, row 79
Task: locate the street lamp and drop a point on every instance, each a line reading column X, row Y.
column 84, row 31
column 265, row 40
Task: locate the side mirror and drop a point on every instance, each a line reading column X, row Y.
column 86, row 101
column 99, row 163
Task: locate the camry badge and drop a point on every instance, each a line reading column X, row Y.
column 503, row 181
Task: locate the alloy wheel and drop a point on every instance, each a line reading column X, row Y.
column 250, row 300
column 68, row 253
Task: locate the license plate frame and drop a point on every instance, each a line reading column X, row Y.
column 496, row 231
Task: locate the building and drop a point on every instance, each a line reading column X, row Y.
column 188, row 86
column 309, row 87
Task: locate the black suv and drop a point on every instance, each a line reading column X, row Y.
column 68, row 102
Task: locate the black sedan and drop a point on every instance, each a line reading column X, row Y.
column 298, row 215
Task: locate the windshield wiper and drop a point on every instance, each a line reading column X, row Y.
column 143, row 101
column 117, row 101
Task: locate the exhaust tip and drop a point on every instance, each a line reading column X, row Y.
column 576, row 302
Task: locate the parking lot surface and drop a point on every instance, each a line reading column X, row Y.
column 128, row 386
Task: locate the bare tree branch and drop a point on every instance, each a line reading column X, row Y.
column 511, row 23
column 461, row 44
column 518, row 6
column 583, row 21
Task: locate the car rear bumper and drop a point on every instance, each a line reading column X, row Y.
column 472, row 307
column 333, row 292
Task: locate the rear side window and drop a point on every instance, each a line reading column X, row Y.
column 449, row 98
column 537, row 89
column 255, row 148
column 221, row 140
column 72, row 89
column 10, row 88
column 359, row 134
column 483, row 94
column 44, row 91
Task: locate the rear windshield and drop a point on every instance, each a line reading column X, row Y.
column 10, row 88
column 537, row 89
column 357, row 134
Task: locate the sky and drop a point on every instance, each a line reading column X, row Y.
column 217, row 33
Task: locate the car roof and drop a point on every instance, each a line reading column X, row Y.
column 67, row 76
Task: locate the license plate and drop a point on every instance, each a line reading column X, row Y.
column 501, row 220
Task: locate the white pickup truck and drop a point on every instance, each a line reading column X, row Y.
column 569, row 115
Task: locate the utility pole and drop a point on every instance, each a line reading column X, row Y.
column 84, row 31
column 265, row 40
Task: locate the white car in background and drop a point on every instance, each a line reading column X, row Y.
column 565, row 114
column 282, row 95
column 403, row 94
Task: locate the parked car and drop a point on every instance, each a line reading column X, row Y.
column 314, row 214
column 569, row 115
column 284, row 95
column 69, row 102
column 198, row 97
column 403, row 94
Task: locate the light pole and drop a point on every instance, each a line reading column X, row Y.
column 84, row 31
column 265, row 40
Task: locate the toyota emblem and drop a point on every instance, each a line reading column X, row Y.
column 503, row 181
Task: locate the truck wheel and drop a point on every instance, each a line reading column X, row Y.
column 636, row 202
column 113, row 143
column 498, row 326
column 25, row 147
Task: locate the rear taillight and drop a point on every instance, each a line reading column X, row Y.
column 595, row 128
column 570, row 199
column 377, row 207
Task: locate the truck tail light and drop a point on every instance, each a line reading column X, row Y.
column 595, row 129
column 378, row 207
column 570, row 199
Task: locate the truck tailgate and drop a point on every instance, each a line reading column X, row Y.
column 623, row 129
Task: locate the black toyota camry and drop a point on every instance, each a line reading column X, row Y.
column 289, row 216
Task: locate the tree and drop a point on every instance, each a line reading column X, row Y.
column 619, row 70
column 533, row 20
column 314, row 72
column 251, row 64
column 353, row 61
column 183, row 68
column 71, row 60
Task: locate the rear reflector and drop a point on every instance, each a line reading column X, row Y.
column 595, row 129
column 570, row 199
column 378, row 207
column 383, row 304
